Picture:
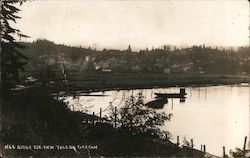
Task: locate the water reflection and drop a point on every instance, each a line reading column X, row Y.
column 215, row 116
column 157, row 103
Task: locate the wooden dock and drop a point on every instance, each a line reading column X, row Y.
column 182, row 94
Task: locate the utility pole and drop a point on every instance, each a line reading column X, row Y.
column 249, row 78
column 249, row 23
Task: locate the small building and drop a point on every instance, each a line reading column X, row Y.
column 136, row 68
column 106, row 70
column 166, row 70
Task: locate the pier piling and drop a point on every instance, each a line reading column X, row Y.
column 178, row 141
column 224, row 152
column 115, row 116
column 192, row 143
column 100, row 112
column 245, row 142
column 93, row 118
column 204, row 148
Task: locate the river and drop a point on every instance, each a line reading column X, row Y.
column 214, row 116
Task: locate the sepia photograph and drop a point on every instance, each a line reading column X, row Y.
column 125, row 78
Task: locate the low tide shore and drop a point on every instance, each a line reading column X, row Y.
column 114, row 81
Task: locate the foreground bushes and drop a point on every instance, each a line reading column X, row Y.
column 35, row 117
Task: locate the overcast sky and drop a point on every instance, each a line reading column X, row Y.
column 116, row 24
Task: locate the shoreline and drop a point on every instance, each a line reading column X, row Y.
column 108, row 82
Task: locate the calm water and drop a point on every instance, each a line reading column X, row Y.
column 215, row 116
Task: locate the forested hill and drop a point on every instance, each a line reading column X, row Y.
column 44, row 54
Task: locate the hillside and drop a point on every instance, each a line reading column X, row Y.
column 88, row 68
column 196, row 59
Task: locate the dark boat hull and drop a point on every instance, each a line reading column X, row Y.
column 157, row 104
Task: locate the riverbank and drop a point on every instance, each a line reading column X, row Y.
column 35, row 118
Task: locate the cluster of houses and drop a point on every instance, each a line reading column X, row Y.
column 124, row 62
column 166, row 68
column 114, row 64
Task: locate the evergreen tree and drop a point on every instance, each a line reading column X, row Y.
column 11, row 59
